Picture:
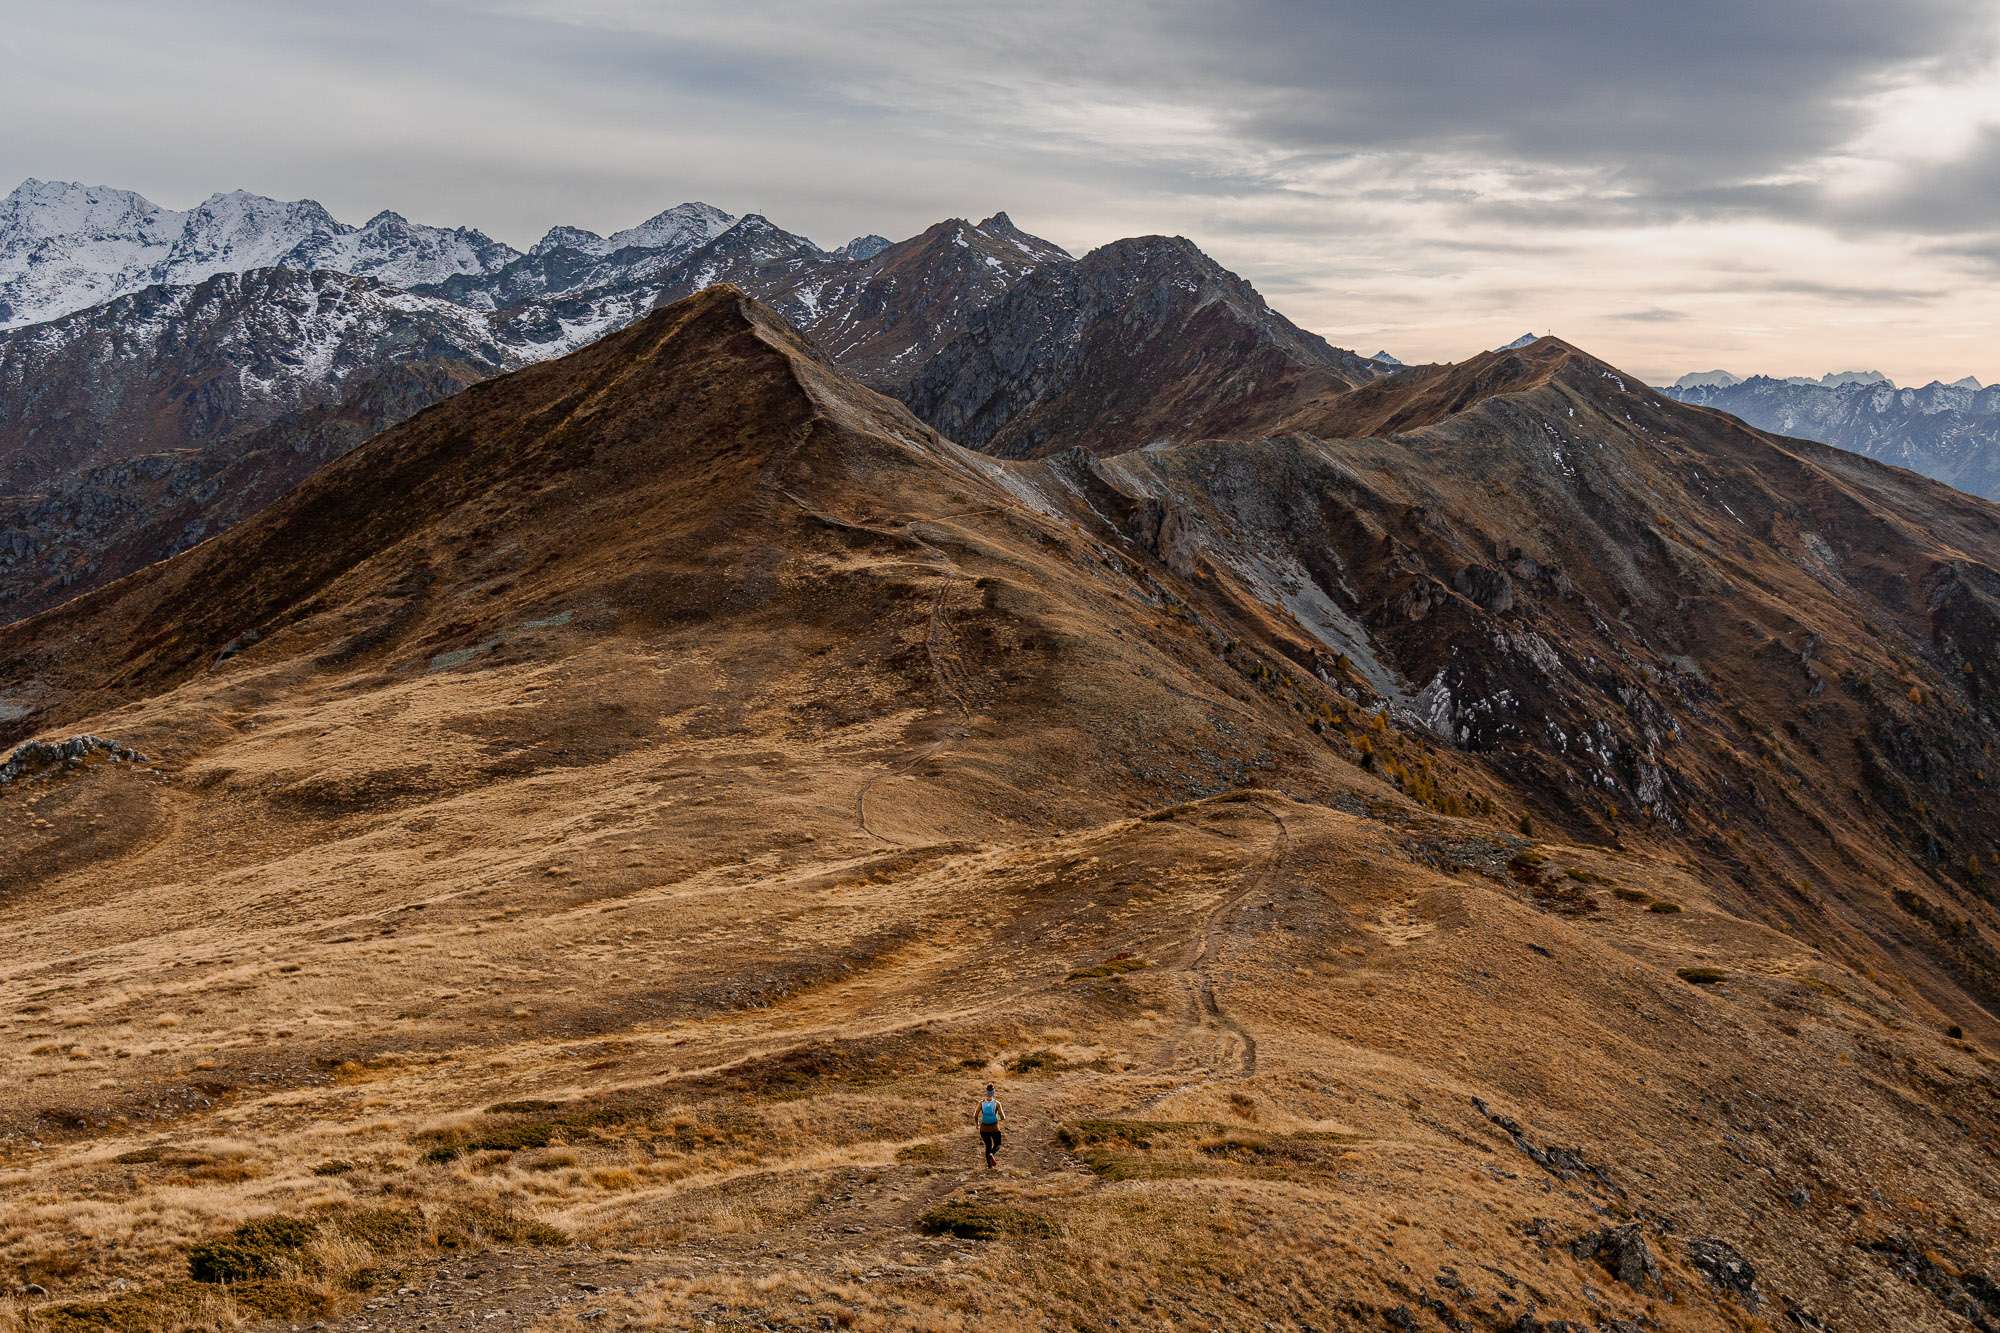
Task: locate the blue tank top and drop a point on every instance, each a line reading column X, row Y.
column 989, row 1111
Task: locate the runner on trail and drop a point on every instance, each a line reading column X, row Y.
column 991, row 1118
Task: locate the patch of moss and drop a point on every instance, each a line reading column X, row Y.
column 254, row 1250
column 156, row 1309
column 1029, row 1061
column 487, row 1136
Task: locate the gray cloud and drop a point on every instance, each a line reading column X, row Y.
column 1838, row 291
column 1440, row 155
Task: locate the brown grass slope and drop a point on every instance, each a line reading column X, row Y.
column 594, row 841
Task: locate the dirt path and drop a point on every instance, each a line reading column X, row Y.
column 1214, row 1038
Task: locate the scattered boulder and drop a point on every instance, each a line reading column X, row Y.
column 1726, row 1270
column 1562, row 1163
column 1974, row 1296
column 1621, row 1252
column 1490, row 588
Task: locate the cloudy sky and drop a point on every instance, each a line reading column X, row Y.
column 1784, row 185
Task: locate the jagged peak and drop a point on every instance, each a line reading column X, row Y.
column 865, row 247
column 566, row 238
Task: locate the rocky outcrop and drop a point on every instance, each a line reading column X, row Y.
column 1621, row 1251
column 38, row 756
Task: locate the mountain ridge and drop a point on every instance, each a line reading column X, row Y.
column 1512, row 841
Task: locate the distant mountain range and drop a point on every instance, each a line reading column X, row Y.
column 146, row 353
column 1950, row 432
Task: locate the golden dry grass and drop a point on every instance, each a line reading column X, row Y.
column 650, row 962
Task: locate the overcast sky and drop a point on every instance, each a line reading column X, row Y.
column 1788, row 186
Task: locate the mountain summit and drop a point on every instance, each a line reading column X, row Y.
column 1139, row 342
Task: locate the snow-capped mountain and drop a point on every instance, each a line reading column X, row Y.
column 1950, row 432
column 1707, row 379
column 65, row 247
column 170, row 366
column 569, row 261
column 1524, row 340
column 883, row 316
column 679, row 229
column 1383, row 358
column 864, row 247
column 392, row 249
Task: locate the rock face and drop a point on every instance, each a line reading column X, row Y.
column 1950, row 432
column 1525, row 561
column 37, row 755
column 134, row 429
column 1725, row 1269
column 100, row 521
column 1140, row 342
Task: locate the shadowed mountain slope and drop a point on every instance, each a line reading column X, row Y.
column 613, row 823
column 1142, row 341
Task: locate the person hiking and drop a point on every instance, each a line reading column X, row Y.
column 991, row 1118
